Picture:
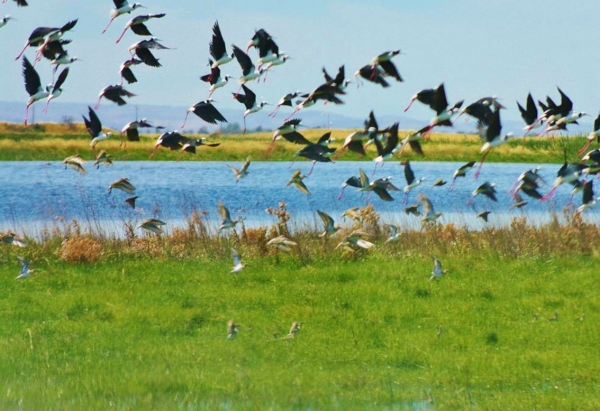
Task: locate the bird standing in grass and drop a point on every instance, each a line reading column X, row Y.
column 295, row 329
column 232, row 329
column 25, row 270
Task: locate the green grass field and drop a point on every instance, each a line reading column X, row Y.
column 53, row 142
column 141, row 323
column 143, row 326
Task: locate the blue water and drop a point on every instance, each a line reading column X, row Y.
column 42, row 195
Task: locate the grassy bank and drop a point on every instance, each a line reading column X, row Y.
column 53, row 142
column 140, row 323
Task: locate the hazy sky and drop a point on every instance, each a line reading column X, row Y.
column 477, row 48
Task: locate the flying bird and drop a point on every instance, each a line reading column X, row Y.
column 33, row 86
column 330, row 227
column 296, row 180
column 94, row 128
column 206, row 111
column 103, row 158
column 217, row 48
column 131, row 129
column 25, row 270
column 226, row 221
column 238, row 266
column 241, row 172
column 121, row 7
column 122, row 184
column 76, row 162
column 56, row 88
column 126, row 72
column 282, row 243
column 249, row 101
column 154, row 225
column 137, row 25
column 115, row 94
column 438, row 271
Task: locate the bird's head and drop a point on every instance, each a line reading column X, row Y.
column 137, row 5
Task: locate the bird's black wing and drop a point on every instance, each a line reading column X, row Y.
column 217, row 45
column 61, row 79
column 147, row 57
column 32, row 78
column 390, row 69
column 140, row 29
column 243, row 59
column 133, row 134
column 128, row 75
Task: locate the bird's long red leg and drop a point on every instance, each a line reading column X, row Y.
column 153, row 151
column 550, row 193
column 97, row 106
column 311, row 169
column 291, row 115
column 26, row 114
column 244, row 124
column 185, row 119
column 585, row 147
column 121, row 36
column 22, row 51
column 341, row 193
column 481, row 164
column 108, row 25
column 451, row 187
column 275, row 111
column 290, row 166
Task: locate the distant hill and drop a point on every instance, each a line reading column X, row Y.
column 171, row 118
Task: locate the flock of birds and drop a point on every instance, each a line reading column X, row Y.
column 50, row 44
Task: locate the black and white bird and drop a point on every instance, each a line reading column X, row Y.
column 36, row 38
column 339, row 80
column 137, row 25
column 439, row 104
column 115, row 94
column 588, row 200
column 249, row 71
column 4, row 21
column 288, row 131
column 20, row 3
column 594, row 134
column 56, row 90
column 126, row 72
column 461, row 172
column 217, row 48
column 131, row 129
column 206, row 111
column 286, row 100
column 214, row 79
column 121, row 7
column 487, row 189
column 142, row 50
column 384, row 62
column 54, row 36
column 33, row 85
column 529, row 114
column 94, row 127
column 492, row 137
column 411, row 181
column 248, row 99
column 425, row 96
column 171, row 140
